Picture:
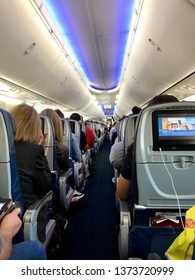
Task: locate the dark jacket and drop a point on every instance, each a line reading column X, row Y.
column 35, row 177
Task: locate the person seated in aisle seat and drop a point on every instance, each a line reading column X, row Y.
column 117, row 151
column 124, row 181
column 76, row 152
column 112, row 133
column 26, row 250
column 62, row 151
column 83, row 140
column 35, row 175
column 90, row 137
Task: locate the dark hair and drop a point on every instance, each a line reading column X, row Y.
column 162, row 99
column 60, row 114
column 136, row 110
column 75, row 116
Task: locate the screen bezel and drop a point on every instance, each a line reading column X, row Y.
column 180, row 143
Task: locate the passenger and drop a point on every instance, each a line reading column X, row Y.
column 83, row 140
column 59, row 112
column 76, row 152
column 111, row 132
column 124, row 181
column 118, row 149
column 27, row 250
column 90, row 137
column 34, row 172
column 62, row 151
column 116, row 155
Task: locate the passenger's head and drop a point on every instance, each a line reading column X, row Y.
column 56, row 123
column 60, row 114
column 28, row 124
column 75, row 116
column 136, row 110
column 162, row 99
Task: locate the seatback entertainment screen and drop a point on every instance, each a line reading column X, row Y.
column 173, row 130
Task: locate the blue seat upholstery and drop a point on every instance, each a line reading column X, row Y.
column 10, row 182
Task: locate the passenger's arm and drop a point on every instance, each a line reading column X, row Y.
column 124, row 181
column 123, row 188
column 62, row 153
column 42, row 180
column 76, row 152
column 10, row 225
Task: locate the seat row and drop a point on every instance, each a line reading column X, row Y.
column 62, row 187
column 163, row 176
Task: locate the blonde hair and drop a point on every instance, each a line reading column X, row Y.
column 56, row 123
column 28, row 124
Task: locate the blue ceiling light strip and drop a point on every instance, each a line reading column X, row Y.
column 64, row 20
column 108, row 111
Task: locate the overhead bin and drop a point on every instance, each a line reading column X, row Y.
column 31, row 58
column 162, row 52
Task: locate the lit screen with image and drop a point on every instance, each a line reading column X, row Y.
column 173, row 130
column 176, row 127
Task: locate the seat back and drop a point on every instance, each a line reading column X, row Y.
column 121, row 131
column 49, row 147
column 75, row 128
column 62, row 193
column 66, row 134
column 71, row 174
column 129, row 131
column 165, row 156
column 10, row 182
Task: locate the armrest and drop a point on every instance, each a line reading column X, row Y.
column 30, row 218
column 124, row 227
column 30, row 215
column 66, row 192
column 125, row 217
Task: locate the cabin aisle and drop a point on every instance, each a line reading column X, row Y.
column 91, row 232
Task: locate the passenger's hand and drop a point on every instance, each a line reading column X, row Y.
column 42, row 139
column 11, row 223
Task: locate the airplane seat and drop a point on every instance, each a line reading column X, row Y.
column 165, row 155
column 163, row 174
column 121, row 129
column 10, row 183
column 62, row 193
column 129, row 131
column 86, row 154
column 77, row 172
column 66, row 178
column 98, row 133
column 125, row 217
column 92, row 152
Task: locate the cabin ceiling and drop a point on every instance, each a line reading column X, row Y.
column 97, row 57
